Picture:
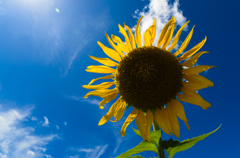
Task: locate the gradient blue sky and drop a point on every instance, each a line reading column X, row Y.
column 44, row 48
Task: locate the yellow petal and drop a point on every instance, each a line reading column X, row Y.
column 100, row 69
column 192, row 51
column 186, row 123
column 119, row 111
column 104, row 77
column 177, row 36
column 138, row 34
column 110, row 113
column 190, row 62
column 120, row 44
column 103, row 85
column 166, row 119
column 163, row 33
column 178, row 109
column 114, row 46
column 185, row 43
column 194, row 86
column 153, row 31
column 141, row 124
column 174, row 121
column 124, row 33
column 105, row 61
column 199, row 79
column 197, row 69
column 129, row 119
column 109, row 98
column 103, row 93
column 169, row 34
column 149, row 117
column 193, row 98
column 132, row 40
column 160, row 122
column 147, row 36
column 110, row 52
column 150, row 34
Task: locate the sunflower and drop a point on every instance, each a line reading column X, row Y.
column 149, row 78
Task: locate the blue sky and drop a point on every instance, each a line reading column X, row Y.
column 44, row 48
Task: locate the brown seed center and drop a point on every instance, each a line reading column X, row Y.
column 148, row 77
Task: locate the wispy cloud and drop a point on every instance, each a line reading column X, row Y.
column 76, row 156
column 94, row 152
column 73, row 97
column 57, row 126
column 90, row 101
column 119, row 141
column 72, row 59
column 17, row 140
column 65, row 123
column 2, row 11
column 163, row 10
column 46, row 122
column 33, row 118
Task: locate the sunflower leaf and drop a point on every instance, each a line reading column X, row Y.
column 141, row 147
column 170, row 143
column 136, row 156
column 172, row 147
column 137, row 132
column 155, row 135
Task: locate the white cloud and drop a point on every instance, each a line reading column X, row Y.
column 94, row 152
column 30, row 153
column 57, row 126
column 163, row 11
column 34, row 118
column 17, row 141
column 48, row 156
column 2, row 11
column 75, row 97
column 85, row 150
column 76, row 156
column 46, row 122
column 65, row 123
column 90, row 101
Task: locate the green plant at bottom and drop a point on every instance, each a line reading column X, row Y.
column 158, row 146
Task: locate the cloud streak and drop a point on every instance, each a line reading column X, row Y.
column 94, row 152
column 19, row 141
column 2, row 11
column 90, row 101
column 72, row 59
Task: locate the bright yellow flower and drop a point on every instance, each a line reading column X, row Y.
column 150, row 78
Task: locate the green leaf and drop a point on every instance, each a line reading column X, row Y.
column 172, row 147
column 170, row 143
column 137, row 132
column 143, row 146
column 136, row 156
column 155, row 135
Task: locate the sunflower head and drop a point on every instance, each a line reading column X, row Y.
column 150, row 78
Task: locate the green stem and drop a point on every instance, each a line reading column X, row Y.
column 160, row 148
